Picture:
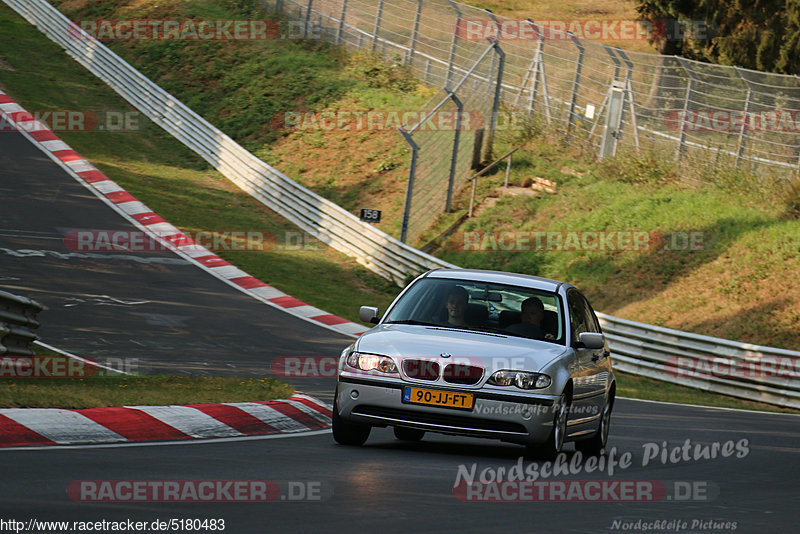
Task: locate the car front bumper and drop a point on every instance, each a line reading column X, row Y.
column 517, row 417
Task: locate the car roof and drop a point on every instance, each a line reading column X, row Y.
column 499, row 277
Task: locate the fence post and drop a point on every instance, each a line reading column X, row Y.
column 377, row 29
column 611, row 132
column 278, row 8
column 689, row 89
column 340, row 29
column 454, row 156
column 453, row 44
column 629, row 93
column 411, row 172
column 498, row 89
column 576, row 82
column 742, row 138
column 414, row 34
column 308, row 17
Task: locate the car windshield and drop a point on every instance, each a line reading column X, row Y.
column 481, row 306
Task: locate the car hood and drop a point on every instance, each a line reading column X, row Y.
column 491, row 351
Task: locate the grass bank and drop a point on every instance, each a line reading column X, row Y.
column 156, row 390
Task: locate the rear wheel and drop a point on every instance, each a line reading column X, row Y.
column 346, row 432
column 550, row 448
column 408, row 434
column 595, row 444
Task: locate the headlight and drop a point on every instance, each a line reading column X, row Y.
column 371, row 362
column 521, row 379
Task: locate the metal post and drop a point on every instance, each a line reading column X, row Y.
column 453, row 45
column 538, row 58
column 629, row 93
column 278, row 8
column 498, row 88
column 410, row 191
column 377, row 26
column 747, row 102
column 340, row 29
column 508, row 171
column 689, row 89
column 576, row 82
column 454, row 157
column 415, row 34
column 616, row 103
column 308, row 17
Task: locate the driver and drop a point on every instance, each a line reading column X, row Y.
column 457, row 300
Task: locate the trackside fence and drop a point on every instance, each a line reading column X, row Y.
column 639, row 348
column 592, row 94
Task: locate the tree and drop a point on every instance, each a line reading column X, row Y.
column 755, row 34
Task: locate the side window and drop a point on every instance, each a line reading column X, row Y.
column 577, row 314
column 592, row 323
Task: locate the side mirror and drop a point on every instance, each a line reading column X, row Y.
column 368, row 314
column 592, row 340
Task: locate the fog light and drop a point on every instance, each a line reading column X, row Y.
column 354, row 394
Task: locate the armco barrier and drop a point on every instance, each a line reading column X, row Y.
column 638, row 348
column 17, row 322
column 752, row 372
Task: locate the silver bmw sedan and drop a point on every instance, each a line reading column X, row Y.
column 480, row 353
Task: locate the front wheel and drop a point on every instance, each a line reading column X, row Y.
column 550, row 448
column 345, row 432
column 595, row 444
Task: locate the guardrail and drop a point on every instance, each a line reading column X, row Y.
column 638, row 348
column 752, row 372
column 17, row 322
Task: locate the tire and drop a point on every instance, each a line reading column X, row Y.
column 555, row 441
column 408, row 434
column 594, row 445
column 345, row 432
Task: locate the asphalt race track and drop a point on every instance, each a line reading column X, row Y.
column 172, row 316
column 391, row 486
column 149, row 311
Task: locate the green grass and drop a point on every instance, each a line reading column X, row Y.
column 157, row 390
column 638, row 387
column 751, row 240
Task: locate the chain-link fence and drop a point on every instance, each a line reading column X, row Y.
column 597, row 97
column 445, row 141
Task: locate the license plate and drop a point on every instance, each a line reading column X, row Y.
column 434, row 397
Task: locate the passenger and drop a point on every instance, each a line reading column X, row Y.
column 531, row 317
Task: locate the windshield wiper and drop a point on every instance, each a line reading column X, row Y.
column 412, row 321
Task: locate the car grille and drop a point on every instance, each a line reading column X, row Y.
column 441, row 419
column 462, row 374
column 421, row 369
